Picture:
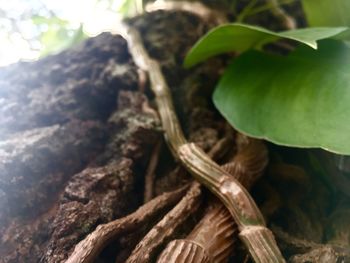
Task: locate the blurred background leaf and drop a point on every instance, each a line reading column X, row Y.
column 58, row 34
column 327, row 12
column 30, row 29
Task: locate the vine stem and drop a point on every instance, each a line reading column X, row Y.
column 258, row 239
column 196, row 8
column 213, row 238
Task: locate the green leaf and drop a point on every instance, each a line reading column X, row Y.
column 240, row 37
column 327, row 12
column 301, row 100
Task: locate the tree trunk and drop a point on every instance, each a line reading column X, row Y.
column 79, row 130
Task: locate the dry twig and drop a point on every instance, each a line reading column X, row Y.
column 146, row 249
column 89, row 248
column 196, row 8
column 287, row 21
column 150, row 173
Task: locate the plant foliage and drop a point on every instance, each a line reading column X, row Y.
column 327, row 12
column 302, row 99
column 240, row 37
column 299, row 100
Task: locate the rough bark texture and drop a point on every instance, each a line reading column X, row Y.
column 76, row 137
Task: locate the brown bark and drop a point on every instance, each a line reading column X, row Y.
column 76, row 141
column 78, row 112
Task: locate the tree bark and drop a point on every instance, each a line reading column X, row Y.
column 76, row 136
column 78, row 131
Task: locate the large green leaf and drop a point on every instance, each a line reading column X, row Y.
column 301, row 100
column 240, row 37
column 327, row 12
